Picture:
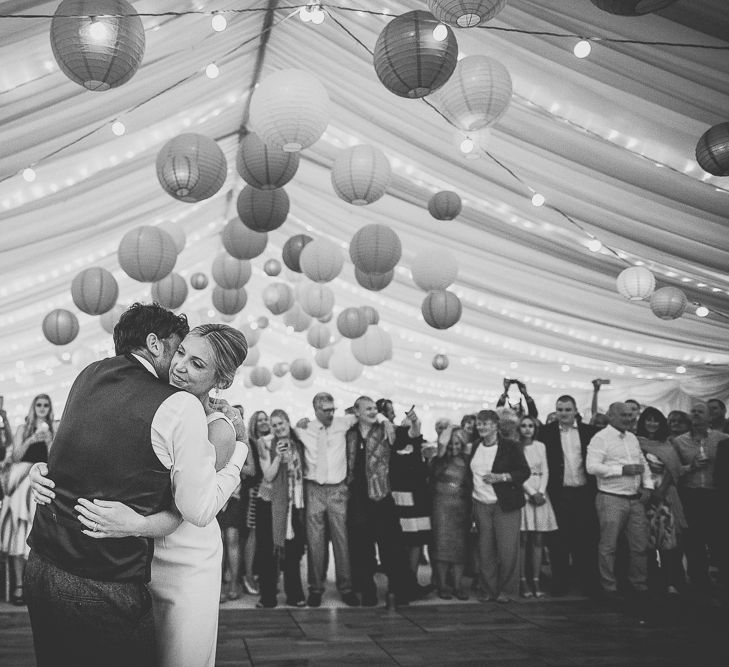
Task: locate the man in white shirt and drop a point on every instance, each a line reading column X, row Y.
column 624, row 486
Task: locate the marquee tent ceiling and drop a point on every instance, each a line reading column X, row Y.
column 608, row 140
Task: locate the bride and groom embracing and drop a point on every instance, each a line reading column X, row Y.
column 125, row 561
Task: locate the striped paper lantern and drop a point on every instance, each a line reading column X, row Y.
column 60, row 326
column 343, row 365
column 360, row 174
column 434, row 269
column 445, row 205
column 409, row 60
column 94, row 291
column 440, row 362
column 231, row 273
column 272, row 267
column 191, row 167
column 465, row 13
column 278, row 298
column 147, row 254
column 373, row 281
column 318, row 336
column 636, row 283
column 242, row 242
column 260, row 376
column 296, row 318
column 631, row 7
column 229, row 301
column 98, row 44
column 375, row 249
column 323, row 356
column 198, row 280
column 301, row 369
column 291, row 251
column 262, row 210
column 170, row 292
column 668, row 303
column 280, row 369
column 177, row 233
column 352, row 323
column 371, row 314
column 321, row 260
column 441, row 309
column 316, row 299
column 712, row 150
column 372, row 348
column 264, row 167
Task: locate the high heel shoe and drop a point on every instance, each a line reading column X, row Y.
column 537, row 592
column 250, row 587
column 525, row 592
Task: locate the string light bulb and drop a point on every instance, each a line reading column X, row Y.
column 680, row 370
column 305, row 14
column 702, row 311
column 582, row 49
column 29, row 174
column 440, row 32
column 594, row 245
column 219, row 22
column 467, row 146
column 212, row 71
column 317, row 15
column 118, row 128
column 538, row 199
column 98, row 30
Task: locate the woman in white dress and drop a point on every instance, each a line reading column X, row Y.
column 187, row 563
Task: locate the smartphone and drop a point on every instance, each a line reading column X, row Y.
column 412, row 407
column 2, row 400
column 606, row 381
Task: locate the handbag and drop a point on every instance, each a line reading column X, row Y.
column 662, row 527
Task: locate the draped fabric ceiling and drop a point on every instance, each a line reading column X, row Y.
column 608, row 140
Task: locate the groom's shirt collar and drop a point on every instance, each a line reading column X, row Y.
column 146, row 364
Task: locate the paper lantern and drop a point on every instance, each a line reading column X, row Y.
column 262, row 210
column 445, row 205
column 177, row 233
column 291, row 251
column 198, row 280
column 94, row 291
column 278, row 298
column 290, row 110
column 636, row 283
column 296, row 318
column 318, row 336
column 465, row 13
column 434, row 269
column 409, row 60
column 321, row 260
column 231, row 273
column 229, row 301
column 344, row 366
column 374, row 347
column 252, row 358
column 323, row 356
column 260, row 376
column 316, row 299
column 325, row 318
column 631, row 7
column 109, row 319
column 301, row 369
column 477, row 95
column 668, row 303
column 272, row 267
column 147, row 254
column 440, row 362
column 371, row 314
column 441, row 309
column 352, row 323
column 247, row 379
column 264, row 167
column 252, row 335
column 60, row 326
column 98, row 44
column 170, row 292
column 373, row 281
column 191, row 167
column 262, row 322
column 375, row 249
column 242, row 242
column 712, row 150
column 280, row 369
column 360, row 174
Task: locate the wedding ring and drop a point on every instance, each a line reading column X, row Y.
column 96, row 526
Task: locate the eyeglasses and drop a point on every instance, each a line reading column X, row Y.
column 328, row 410
column 42, row 405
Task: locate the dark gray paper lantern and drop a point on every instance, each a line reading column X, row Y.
column 262, row 166
column 94, row 291
column 60, row 326
column 712, row 150
column 170, row 292
column 441, row 309
column 445, row 205
column 291, row 252
column 263, row 210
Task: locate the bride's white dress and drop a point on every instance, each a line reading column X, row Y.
column 185, row 587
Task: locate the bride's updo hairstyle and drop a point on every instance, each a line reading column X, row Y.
column 229, row 349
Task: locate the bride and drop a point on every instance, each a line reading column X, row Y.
column 186, row 568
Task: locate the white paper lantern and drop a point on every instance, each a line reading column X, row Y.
column 264, row 167
column 262, row 210
column 434, row 269
column 445, row 205
column 636, row 283
column 260, row 376
column 440, row 362
column 371, row 314
column 98, row 44
column 373, row 281
column 231, row 273
column 109, row 319
column 465, row 13
column 94, row 290
column 296, row 318
column 272, row 267
column 318, row 336
column 177, row 233
column 278, row 298
column 198, row 280
column 280, row 369
column 316, row 299
column 170, row 292
column 668, row 303
column 229, row 301
column 147, row 254
column 253, row 357
column 374, row 347
column 441, row 309
column 375, row 249
column 242, row 242
column 344, row 366
column 301, row 369
column 477, row 95
column 290, row 110
column 321, row 260
column 360, row 174
column 191, row 167
column 323, row 356
column 352, row 323
column 60, row 326
column 252, row 335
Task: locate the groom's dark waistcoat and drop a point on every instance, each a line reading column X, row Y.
column 103, row 450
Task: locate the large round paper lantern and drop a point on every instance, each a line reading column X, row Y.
column 191, row 167
column 262, row 210
column 323, row 356
column 440, row 362
column 445, row 205
column 318, row 336
column 360, row 174
column 373, row 348
column 229, row 301
column 477, row 95
column 252, row 358
column 409, row 60
column 262, row 166
column 231, row 273
column 668, row 303
column 316, row 299
column 94, row 290
column 371, row 314
column 375, row 249
column 109, row 319
column 98, row 44
column 170, row 292
column 60, row 326
column 301, row 369
column 280, row 369
column 434, row 269
column 198, row 280
column 260, row 376
column 177, row 233
column 441, row 309
column 291, row 251
column 242, row 242
column 352, row 323
column 147, row 254
column 373, row 281
column 296, row 318
column 712, row 150
column 252, row 335
column 465, row 13
column 272, row 267
column 290, row 110
column 278, row 298
column 636, row 283
column 632, row 7
column 344, row 366
column 321, row 260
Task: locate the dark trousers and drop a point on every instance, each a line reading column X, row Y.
column 704, row 519
column 576, row 537
column 86, row 623
column 665, row 568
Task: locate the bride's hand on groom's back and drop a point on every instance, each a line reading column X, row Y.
column 109, row 518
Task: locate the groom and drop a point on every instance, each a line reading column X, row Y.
column 88, row 600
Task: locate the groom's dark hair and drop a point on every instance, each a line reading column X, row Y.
column 142, row 319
